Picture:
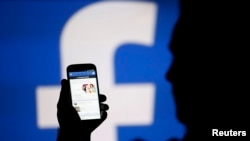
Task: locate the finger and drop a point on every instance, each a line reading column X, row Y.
column 104, row 107
column 102, row 97
column 104, row 115
column 64, row 99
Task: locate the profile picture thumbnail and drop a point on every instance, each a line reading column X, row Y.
column 89, row 88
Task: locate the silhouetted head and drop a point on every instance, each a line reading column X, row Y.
column 209, row 63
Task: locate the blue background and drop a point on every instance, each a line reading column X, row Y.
column 29, row 57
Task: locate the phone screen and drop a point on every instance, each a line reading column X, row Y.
column 84, row 93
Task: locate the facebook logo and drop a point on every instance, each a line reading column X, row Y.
column 128, row 42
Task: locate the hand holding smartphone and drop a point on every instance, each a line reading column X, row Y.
column 84, row 90
column 80, row 108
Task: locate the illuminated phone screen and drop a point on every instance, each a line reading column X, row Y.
column 84, row 93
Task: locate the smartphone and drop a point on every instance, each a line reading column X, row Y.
column 84, row 90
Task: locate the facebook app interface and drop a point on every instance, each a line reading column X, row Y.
column 84, row 94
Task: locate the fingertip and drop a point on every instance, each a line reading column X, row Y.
column 102, row 97
column 104, row 115
column 63, row 81
column 104, row 107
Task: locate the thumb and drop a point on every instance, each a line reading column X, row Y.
column 64, row 98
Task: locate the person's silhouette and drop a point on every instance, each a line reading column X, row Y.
column 72, row 128
column 208, row 73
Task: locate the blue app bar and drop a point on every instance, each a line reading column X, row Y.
column 82, row 73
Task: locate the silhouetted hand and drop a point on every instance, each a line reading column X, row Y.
column 72, row 128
